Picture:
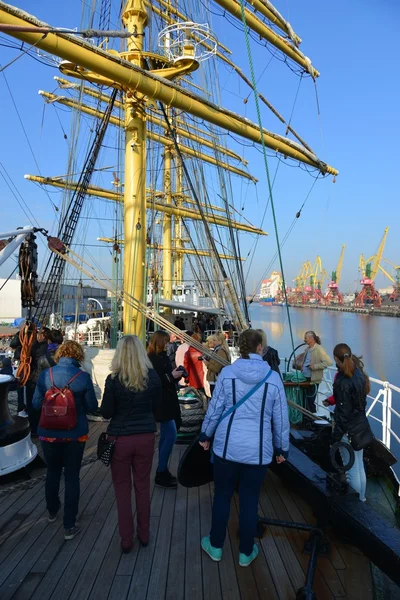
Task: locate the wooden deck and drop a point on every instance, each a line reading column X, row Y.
column 36, row 562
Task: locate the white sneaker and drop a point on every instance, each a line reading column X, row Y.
column 23, row 413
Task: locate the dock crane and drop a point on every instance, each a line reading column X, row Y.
column 334, row 296
column 369, row 269
column 395, row 280
column 317, row 275
column 300, row 281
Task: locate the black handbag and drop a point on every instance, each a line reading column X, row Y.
column 105, row 449
column 360, row 433
column 195, row 467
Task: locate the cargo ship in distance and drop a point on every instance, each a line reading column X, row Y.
column 270, row 289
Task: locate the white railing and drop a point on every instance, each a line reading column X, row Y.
column 380, row 408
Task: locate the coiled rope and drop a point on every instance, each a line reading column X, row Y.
column 27, row 337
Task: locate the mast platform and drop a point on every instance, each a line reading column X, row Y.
column 36, row 562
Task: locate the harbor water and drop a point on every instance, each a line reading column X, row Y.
column 375, row 338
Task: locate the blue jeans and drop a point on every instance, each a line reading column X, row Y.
column 67, row 456
column 226, row 475
column 166, row 444
column 356, row 476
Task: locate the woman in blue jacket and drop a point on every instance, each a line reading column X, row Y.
column 63, row 449
column 245, row 442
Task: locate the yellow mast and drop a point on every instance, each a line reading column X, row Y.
column 126, row 72
column 84, row 59
column 167, row 227
column 157, row 137
column 178, row 259
column 134, row 18
column 195, row 252
column 181, row 211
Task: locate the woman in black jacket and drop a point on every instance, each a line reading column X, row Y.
column 351, row 423
column 132, row 393
column 168, row 412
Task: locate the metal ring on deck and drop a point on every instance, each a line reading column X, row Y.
column 332, row 457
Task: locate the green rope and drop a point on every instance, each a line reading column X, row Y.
column 296, row 395
column 256, row 98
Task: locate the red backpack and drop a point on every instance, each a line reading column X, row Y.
column 59, row 407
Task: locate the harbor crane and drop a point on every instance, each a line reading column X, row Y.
column 317, row 275
column 369, row 269
column 300, row 281
column 395, row 280
column 334, row 296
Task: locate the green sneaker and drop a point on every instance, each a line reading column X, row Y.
column 214, row 553
column 245, row 560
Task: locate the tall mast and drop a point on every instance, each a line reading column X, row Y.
column 179, row 253
column 167, row 227
column 134, row 18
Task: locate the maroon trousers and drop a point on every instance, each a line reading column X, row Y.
column 132, row 458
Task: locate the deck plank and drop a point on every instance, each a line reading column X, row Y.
column 327, row 583
column 9, row 499
column 85, row 584
column 36, row 534
column 93, row 523
column 193, row 575
column 356, row 578
column 31, row 498
column 175, row 586
column 160, row 566
column 55, row 558
column 210, row 569
column 227, row 572
column 28, row 586
column 108, row 569
column 37, row 564
column 246, row 580
column 307, row 514
column 119, row 589
column 142, row 571
column 42, row 539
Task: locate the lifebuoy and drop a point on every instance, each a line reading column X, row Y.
column 332, row 457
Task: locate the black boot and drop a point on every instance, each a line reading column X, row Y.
column 166, row 480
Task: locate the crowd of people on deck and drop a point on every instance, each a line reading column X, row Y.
column 246, row 422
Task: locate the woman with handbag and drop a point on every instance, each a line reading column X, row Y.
column 132, row 392
column 248, row 417
column 63, row 447
column 168, row 412
column 351, row 423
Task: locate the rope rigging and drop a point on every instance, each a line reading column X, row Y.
column 210, row 238
column 256, row 99
column 69, row 223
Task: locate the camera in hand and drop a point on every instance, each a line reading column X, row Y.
column 183, row 371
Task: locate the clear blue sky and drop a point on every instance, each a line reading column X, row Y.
column 353, row 44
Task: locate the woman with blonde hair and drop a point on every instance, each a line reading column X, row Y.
column 63, row 448
column 218, row 344
column 132, row 392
